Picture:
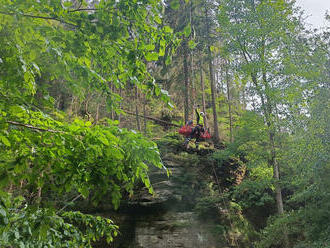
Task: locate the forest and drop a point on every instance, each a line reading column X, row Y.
column 93, row 93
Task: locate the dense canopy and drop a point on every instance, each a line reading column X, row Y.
column 86, row 87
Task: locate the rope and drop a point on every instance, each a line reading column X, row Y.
column 223, row 201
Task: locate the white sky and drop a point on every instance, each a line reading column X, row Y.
column 315, row 10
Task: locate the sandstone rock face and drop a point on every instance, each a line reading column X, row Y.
column 167, row 218
column 174, row 229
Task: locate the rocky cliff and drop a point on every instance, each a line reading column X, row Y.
column 180, row 213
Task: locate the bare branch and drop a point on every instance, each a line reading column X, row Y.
column 33, row 127
column 83, row 9
column 39, row 17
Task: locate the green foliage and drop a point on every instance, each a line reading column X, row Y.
column 175, row 4
column 252, row 193
column 287, row 68
column 99, row 159
column 306, row 175
column 45, row 154
column 77, row 156
column 250, row 139
column 25, row 226
column 294, row 222
column 206, row 207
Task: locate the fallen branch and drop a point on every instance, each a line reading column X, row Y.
column 33, row 127
column 153, row 119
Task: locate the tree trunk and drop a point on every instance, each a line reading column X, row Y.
column 244, row 98
column 268, row 112
column 270, row 123
column 186, row 81
column 267, row 109
column 97, row 113
column 215, row 117
column 276, row 174
column 111, row 88
column 278, row 189
column 203, row 96
column 229, row 104
column 120, row 104
column 193, row 85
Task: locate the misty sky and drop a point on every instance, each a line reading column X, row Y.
column 315, row 9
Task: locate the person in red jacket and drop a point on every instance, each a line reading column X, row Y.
column 197, row 130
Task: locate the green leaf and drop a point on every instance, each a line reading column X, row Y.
column 168, row 29
column 168, row 60
column 43, row 231
column 175, row 4
column 4, row 140
column 103, row 140
column 99, row 29
column 157, row 91
column 192, row 44
column 150, row 47
column 2, row 212
column 84, row 191
column 187, row 30
column 158, row 20
column 151, row 56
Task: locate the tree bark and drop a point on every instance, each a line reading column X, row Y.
column 97, row 113
column 267, row 110
column 120, row 104
column 276, row 174
column 203, row 95
column 229, row 104
column 215, row 117
column 186, row 81
column 270, row 124
column 193, row 86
